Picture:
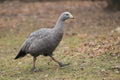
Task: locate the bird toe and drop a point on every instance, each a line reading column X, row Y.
column 35, row 70
column 63, row 65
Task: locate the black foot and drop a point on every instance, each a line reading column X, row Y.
column 63, row 65
column 35, row 70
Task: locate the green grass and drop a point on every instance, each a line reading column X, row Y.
column 82, row 67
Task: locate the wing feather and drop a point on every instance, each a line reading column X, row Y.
column 33, row 37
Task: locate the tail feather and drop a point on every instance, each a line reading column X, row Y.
column 20, row 54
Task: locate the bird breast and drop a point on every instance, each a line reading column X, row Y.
column 54, row 40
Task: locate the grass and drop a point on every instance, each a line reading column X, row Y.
column 82, row 67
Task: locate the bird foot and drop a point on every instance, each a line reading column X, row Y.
column 35, row 70
column 63, row 65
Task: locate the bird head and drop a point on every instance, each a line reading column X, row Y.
column 66, row 15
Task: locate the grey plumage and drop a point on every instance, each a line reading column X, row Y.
column 44, row 41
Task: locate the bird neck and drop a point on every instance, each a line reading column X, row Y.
column 59, row 25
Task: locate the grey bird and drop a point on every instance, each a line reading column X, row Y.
column 44, row 41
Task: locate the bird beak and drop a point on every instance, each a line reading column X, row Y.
column 71, row 16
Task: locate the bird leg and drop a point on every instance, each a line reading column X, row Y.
column 34, row 67
column 34, row 60
column 60, row 64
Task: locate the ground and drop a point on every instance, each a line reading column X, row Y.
column 91, row 43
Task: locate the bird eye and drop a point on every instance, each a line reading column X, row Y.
column 67, row 14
